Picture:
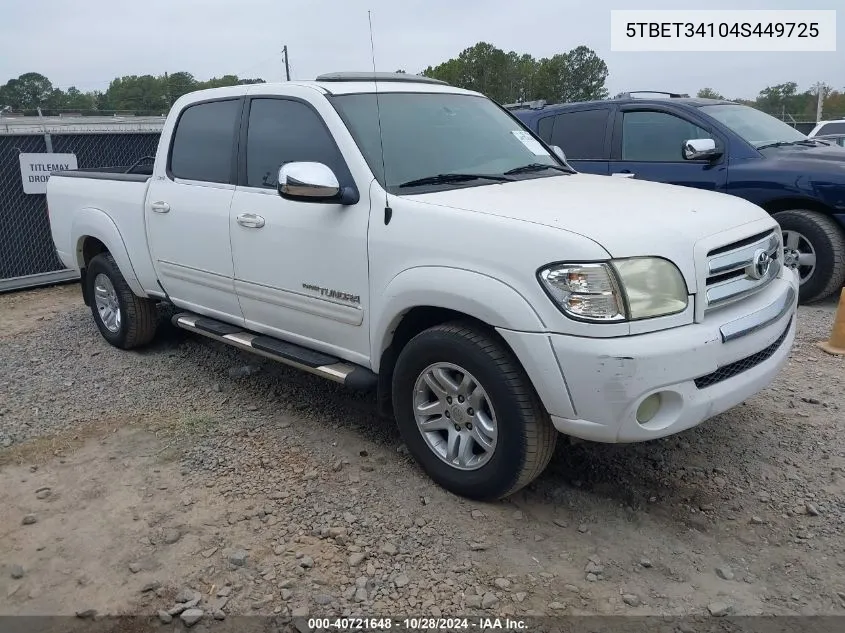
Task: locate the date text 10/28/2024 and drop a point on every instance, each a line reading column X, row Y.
column 415, row 624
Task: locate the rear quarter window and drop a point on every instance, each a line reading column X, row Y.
column 837, row 127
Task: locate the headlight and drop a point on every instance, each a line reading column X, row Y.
column 621, row 290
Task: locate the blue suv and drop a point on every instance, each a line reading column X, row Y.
column 720, row 146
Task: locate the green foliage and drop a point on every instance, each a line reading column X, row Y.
column 578, row 75
column 144, row 94
column 708, row 93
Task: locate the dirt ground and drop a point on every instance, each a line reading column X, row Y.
column 135, row 482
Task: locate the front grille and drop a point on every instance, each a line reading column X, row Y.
column 734, row 271
column 744, row 364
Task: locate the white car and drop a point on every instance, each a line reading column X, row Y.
column 827, row 128
column 395, row 233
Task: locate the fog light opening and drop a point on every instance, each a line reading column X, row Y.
column 648, row 408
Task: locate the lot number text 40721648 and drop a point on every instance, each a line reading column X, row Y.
column 416, row 624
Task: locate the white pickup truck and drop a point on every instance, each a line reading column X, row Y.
column 395, row 233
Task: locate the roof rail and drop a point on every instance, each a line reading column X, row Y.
column 371, row 76
column 530, row 105
column 671, row 95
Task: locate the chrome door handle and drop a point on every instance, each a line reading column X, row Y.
column 160, row 207
column 250, row 220
column 623, row 174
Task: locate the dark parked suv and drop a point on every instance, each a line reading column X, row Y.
column 720, row 146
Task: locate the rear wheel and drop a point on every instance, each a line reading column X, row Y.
column 124, row 320
column 816, row 244
column 469, row 414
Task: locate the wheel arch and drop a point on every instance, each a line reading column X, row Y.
column 795, row 203
column 420, row 298
column 97, row 233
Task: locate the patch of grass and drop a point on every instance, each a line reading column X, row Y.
column 40, row 450
column 178, row 432
column 198, row 424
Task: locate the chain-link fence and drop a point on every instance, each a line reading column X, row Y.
column 27, row 253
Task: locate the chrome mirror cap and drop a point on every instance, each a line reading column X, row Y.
column 700, row 148
column 308, row 181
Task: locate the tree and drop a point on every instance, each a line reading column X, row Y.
column 577, row 75
column 834, row 105
column 79, row 101
column 178, row 84
column 586, row 75
column 784, row 99
column 144, row 94
column 708, row 93
column 27, row 92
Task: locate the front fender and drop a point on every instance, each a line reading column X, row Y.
column 93, row 222
column 474, row 294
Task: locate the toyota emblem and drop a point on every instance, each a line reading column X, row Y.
column 759, row 264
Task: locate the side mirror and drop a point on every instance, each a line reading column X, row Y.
column 700, row 149
column 313, row 182
column 559, row 153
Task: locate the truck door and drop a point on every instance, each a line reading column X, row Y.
column 648, row 145
column 187, row 210
column 301, row 268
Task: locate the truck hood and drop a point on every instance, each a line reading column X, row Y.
column 627, row 217
column 826, row 157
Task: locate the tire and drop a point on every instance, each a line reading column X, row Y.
column 524, row 437
column 137, row 317
column 823, row 235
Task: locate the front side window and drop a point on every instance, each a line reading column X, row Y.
column 650, row 136
column 283, row 131
column 203, row 142
column 581, row 134
column 424, row 135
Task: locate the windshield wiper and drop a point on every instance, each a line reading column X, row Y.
column 803, row 141
column 811, row 142
column 524, row 169
column 442, row 179
column 775, row 144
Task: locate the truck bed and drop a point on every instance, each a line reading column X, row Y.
column 139, row 171
column 95, row 202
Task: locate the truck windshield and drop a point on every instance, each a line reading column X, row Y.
column 756, row 127
column 436, row 141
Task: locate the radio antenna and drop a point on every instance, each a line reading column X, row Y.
column 388, row 212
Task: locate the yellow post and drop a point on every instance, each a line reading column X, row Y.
column 836, row 343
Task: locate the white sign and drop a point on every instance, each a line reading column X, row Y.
column 530, row 143
column 36, row 168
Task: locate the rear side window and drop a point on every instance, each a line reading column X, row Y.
column 203, row 142
column 282, row 131
column 581, row 134
column 832, row 128
column 656, row 136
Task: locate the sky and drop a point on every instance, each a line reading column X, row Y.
column 88, row 43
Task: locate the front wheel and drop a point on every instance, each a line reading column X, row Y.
column 124, row 320
column 469, row 414
column 816, row 244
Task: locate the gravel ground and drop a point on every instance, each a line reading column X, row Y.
column 192, row 476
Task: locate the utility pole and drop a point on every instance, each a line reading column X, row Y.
column 821, row 89
column 167, row 89
column 287, row 66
